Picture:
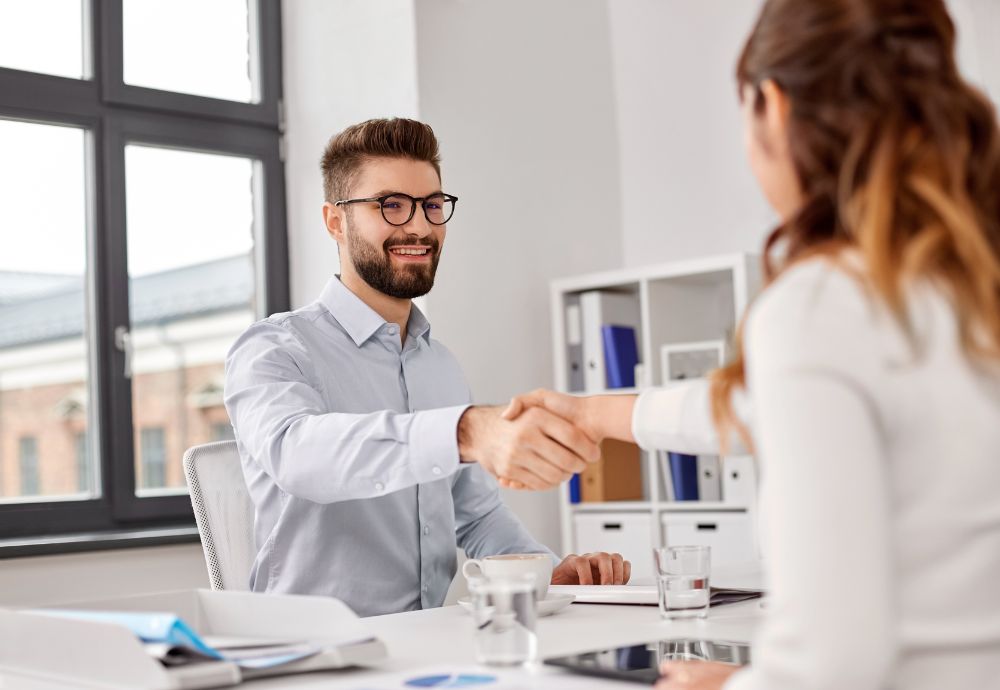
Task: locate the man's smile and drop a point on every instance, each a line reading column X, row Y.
column 412, row 253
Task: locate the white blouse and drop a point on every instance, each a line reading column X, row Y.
column 881, row 488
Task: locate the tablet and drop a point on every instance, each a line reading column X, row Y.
column 641, row 663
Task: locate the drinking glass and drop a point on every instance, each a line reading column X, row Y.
column 682, row 578
column 504, row 611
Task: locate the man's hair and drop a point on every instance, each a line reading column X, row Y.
column 395, row 137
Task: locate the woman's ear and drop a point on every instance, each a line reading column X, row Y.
column 776, row 113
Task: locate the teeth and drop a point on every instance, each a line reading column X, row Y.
column 410, row 252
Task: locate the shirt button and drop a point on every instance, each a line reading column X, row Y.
column 393, row 330
column 427, row 530
column 424, row 589
column 379, row 486
column 435, row 470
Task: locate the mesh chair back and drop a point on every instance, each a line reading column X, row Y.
column 223, row 511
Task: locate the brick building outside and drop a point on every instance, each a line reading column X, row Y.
column 183, row 322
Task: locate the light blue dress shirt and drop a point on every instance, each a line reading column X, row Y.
column 348, row 440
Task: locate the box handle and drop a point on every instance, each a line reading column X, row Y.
column 612, row 526
column 707, row 527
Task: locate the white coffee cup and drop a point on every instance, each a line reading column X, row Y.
column 512, row 565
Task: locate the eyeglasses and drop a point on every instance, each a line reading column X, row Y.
column 398, row 208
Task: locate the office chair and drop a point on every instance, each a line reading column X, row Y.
column 223, row 511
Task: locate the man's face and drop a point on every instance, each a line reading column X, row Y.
column 399, row 261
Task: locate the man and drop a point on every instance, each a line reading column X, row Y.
column 364, row 460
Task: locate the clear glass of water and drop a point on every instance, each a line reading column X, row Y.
column 682, row 578
column 504, row 612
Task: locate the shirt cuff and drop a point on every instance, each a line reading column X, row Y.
column 434, row 442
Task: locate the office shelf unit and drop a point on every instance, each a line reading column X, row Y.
column 694, row 301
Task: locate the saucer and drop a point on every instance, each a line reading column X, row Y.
column 546, row 607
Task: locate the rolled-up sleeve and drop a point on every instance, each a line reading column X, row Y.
column 277, row 408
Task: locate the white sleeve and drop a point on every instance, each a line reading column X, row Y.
column 678, row 418
column 813, row 367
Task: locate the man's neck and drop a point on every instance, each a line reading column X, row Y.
column 392, row 309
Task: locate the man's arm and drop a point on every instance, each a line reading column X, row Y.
column 277, row 408
column 281, row 419
column 485, row 526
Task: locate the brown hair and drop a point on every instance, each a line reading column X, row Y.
column 381, row 138
column 897, row 156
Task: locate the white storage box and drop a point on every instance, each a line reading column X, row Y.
column 730, row 535
column 627, row 533
column 65, row 652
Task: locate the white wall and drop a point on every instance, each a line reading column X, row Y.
column 344, row 61
column 520, row 95
column 686, row 187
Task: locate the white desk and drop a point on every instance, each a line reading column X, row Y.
column 444, row 637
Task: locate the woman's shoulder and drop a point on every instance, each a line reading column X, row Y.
column 817, row 308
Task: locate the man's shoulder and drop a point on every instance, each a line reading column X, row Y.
column 284, row 330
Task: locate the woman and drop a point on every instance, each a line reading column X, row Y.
column 871, row 365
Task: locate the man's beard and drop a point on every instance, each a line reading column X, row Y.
column 374, row 266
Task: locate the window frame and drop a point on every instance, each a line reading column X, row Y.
column 112, row 115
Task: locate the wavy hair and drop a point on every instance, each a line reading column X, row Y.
column 897, row 156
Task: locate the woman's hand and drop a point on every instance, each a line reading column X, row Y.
column 573, row 409
column 599, row 417
column 694, row 675
column 570, row 408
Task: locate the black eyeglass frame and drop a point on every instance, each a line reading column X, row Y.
column 413, row 205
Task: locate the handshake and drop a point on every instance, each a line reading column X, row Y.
column 542, row 438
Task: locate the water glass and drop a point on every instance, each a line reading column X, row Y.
column 504, row 611
column 682, row 577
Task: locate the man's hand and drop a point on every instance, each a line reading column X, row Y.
column 571, row 408
column 538, row 450
column 592, row 569
column 694, row 675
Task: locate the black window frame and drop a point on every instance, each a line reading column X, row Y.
column 114, row 114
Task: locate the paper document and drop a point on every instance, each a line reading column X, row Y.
column 168, row 638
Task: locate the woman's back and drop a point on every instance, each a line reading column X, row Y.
column 881, row 465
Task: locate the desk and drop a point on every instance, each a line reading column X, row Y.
column 443, row 636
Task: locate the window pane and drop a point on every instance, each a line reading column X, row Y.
column 190, row 219
column 153, row 459
column 190, row 46
column 43, row 36
column 44, row 372
column 28, row 454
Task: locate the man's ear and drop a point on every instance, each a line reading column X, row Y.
column 333, row 218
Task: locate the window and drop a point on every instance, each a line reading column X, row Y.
column 84, row 483
column 153, row 456
column 28, row 453
column 142, row 230
column 223, row 432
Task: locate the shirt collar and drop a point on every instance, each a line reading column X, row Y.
column 361, row 321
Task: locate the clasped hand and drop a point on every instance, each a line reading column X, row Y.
column 539, row 441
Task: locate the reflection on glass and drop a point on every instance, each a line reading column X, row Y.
column 43, row 36
column 189, row 46
column 44, row 373
column 190, row 219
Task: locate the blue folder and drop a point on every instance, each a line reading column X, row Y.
column 684, row 474
column 621, row 354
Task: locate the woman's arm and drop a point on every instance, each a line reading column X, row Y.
column 677, row 417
